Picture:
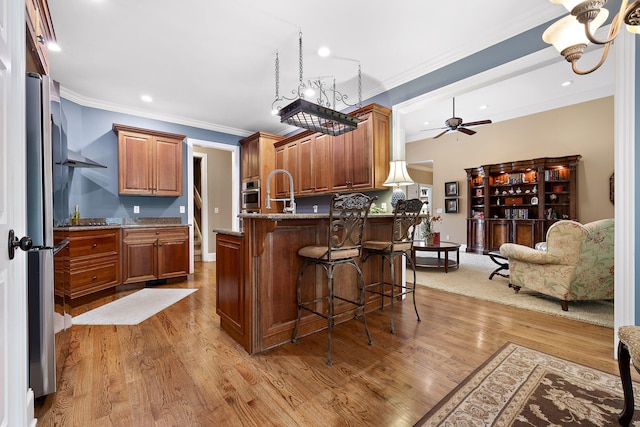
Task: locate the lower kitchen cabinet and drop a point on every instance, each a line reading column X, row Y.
column 154, row 253
column 93, row 261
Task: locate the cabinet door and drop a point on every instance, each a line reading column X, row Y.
column 173, row 257
column 500, row 231
column 313, row 156
column 320, row 163
column 287, row 159
column 251, row 160
column 361, row 153
column 139, row 257
column 341, row 158
column 167, row 167
column 135, row 173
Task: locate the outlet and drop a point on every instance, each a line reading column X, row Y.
column 383, row 206
column 182, row 209
column 216, row 210
column 136, row 209
column 447, row 237
column 439, row 210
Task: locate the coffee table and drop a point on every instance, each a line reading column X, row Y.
column 436, row 262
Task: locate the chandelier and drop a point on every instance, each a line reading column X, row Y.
column 571, row 34
column 320, row 116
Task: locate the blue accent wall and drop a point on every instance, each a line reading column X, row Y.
column 95, row 190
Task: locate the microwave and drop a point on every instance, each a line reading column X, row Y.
column 250, row 195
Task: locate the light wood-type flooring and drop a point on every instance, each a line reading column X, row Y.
column 179, row 368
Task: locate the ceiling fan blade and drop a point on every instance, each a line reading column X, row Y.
column 440, row 134
column 427, row 130
column 481, row 122
column 467, row 131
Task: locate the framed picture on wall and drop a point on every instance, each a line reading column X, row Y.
column 424, row 192
column 451, row 205
column 451, row 189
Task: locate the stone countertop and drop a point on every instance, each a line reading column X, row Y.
column 229, row 232
column 285, row 216
column 115, row 223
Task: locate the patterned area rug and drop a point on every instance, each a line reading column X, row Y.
column 133, row 308
column 472, row 279
column 518, row 386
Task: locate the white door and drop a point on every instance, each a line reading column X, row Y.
column 14, row 400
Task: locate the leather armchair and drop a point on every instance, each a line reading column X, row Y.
column 577, row 265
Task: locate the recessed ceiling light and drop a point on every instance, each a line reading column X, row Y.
column 426, row 123
column 146, row 98
column 484, row 107
column 324, row 51
column 567, row 83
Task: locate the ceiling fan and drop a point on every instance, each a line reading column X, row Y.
column 455, row 123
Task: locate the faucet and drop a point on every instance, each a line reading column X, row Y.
column 292, row 203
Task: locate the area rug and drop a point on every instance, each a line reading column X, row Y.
column 472, row 279
column 518, row 386
column 133, row 308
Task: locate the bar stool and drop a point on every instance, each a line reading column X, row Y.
column 347, row 219
column 628, row 351
column 405, row 220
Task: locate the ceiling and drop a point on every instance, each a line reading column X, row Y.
column 211, row 64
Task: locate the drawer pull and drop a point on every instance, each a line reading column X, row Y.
column 95, row 245
column 94, row 277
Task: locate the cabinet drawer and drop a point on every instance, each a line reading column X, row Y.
column 94, row 277
column 89, row 244
column 155, row 233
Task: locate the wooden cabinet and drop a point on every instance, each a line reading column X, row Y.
column 356, row 160
column 39, row 33
column 258, row 159
column 154, row 253
column 286, row 158
column 314, row 157
column 516, row 202
column 232, row 297
column 92, row 261
column 149, row 162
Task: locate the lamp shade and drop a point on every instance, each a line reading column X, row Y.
column 398, row 174
column 635, row 29
column 569, row 32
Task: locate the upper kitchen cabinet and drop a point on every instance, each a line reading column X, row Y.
column 149, row 162
column 258, row 159
column 39, row 33
column 356, row 160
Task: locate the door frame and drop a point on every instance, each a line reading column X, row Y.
column 235, row 185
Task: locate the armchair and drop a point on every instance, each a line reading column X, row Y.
column 577, row 264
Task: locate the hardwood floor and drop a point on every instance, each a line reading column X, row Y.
column 179, row 368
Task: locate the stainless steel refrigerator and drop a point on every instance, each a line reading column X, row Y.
column 40, row 277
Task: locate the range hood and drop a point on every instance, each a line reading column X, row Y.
column 77, row 160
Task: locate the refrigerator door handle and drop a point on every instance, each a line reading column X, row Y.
column 25, row 243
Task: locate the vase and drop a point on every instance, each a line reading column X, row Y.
column 430, row 237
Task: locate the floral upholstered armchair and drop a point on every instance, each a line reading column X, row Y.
column 577, row 263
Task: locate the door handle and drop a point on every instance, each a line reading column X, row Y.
column 25, row 243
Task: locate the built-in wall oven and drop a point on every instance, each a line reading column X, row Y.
column 251, row 195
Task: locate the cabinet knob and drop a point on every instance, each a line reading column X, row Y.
column 95, row 245
column 94, row 277
column 157, row 232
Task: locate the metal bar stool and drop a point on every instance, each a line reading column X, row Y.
column 347, row 219
column 405, row 220
column 628, row 351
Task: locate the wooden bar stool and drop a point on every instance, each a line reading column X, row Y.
column 347, row 219
column 405, row 219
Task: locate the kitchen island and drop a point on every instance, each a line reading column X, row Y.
column 257, row 269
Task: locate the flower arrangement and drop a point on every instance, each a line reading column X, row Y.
column 429, row 224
